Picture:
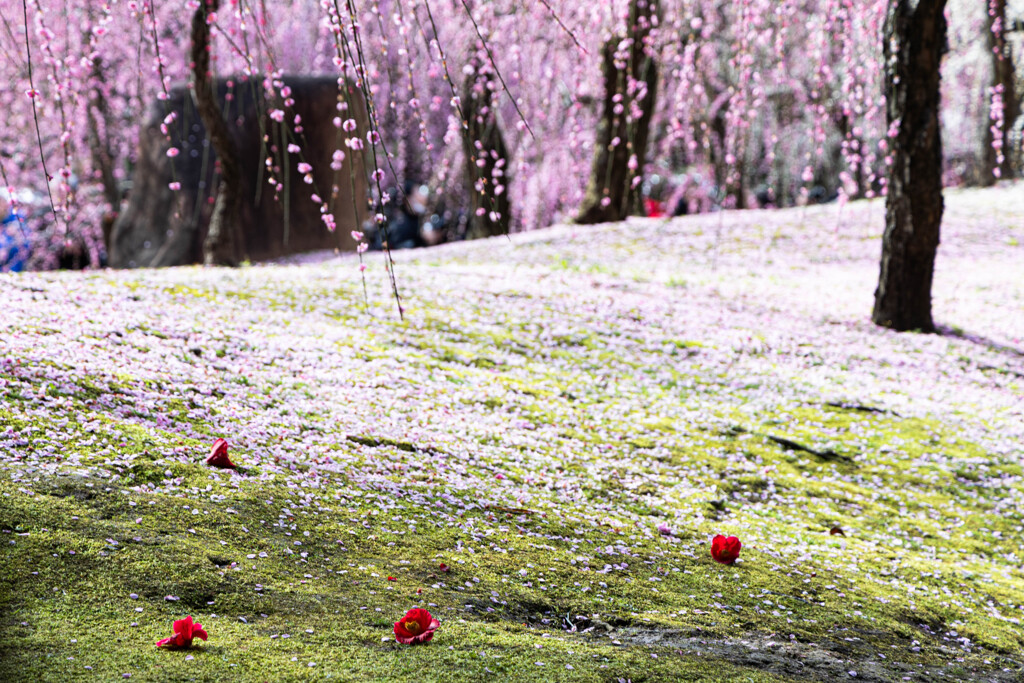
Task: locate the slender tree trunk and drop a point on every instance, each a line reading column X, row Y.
column 717, row 137
column 741, row 179
column 613, row 190
column 1003, row 78
column 486, row 156
column 220, row 247
column 915, row 35
column 842, row 122
column 98, row 118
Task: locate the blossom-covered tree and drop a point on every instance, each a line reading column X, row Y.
column 774, row 102
column 629, row 73
column 1004, row 102
column 485, row 153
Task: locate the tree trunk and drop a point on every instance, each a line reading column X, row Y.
column 220, row 247
column 915, row 33
column 741, row 180
column 999, row 163
column 98, row 119
column 613, row 191
column 486, row 156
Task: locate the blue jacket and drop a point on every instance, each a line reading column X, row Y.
column 14, row 248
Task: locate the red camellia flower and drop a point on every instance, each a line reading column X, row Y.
column 219, row 455
column 184, row 632
column 725, row 550
column 416, row 627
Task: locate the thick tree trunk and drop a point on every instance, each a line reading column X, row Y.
column 915, row 33
column 1003, row 78
column 161, row 227
column 220, row 247
column 613, row 191
column 486, row 157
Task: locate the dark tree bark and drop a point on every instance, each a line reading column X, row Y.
column 842, row 122
column 486, row 156
column 100, row 125
column 160, row 227
column 99, row 122
column 915, row 34
column 220, row 247
column 612, row 193
column 1003, row 77
column 740, row 186
column 717, row 133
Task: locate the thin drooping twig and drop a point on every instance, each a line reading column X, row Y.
column 375, row 138
column 564, row 27
column 66, row 200
column 494, row 64
column 32, row 95
column 456, row 99
column 444, row 64
column 156, row 51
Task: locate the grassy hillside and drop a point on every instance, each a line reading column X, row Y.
column 546, row 404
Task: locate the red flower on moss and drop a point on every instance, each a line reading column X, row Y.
column 219, row 455
column 184, row 632
column 416, row 627
column 725, row 550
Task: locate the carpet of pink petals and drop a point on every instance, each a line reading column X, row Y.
column 527, row 370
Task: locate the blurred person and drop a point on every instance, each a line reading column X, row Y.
column 14, row 247
column 404, row 216
column 653, row 191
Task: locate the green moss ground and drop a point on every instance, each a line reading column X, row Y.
column 528, row 438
